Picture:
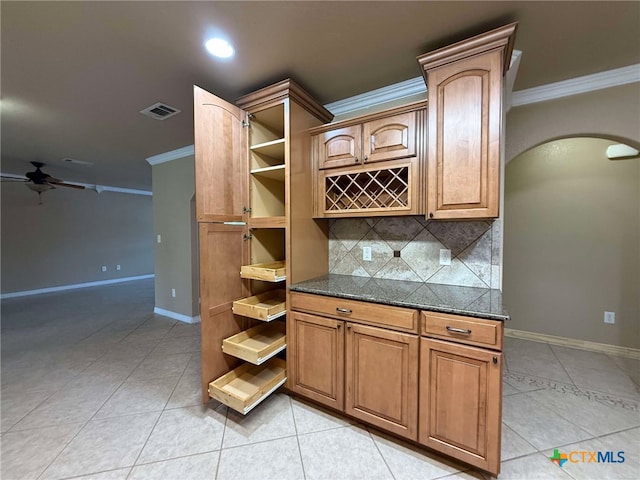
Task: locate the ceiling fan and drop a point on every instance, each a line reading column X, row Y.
column 40, row 182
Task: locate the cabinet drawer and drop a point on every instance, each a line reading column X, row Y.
column 473, row 331
column 370, row 313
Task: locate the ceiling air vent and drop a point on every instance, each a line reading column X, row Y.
column 160, row 111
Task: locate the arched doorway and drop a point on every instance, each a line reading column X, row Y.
column 572, row 242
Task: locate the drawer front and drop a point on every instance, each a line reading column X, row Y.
column 370, row 313
column 469, row 330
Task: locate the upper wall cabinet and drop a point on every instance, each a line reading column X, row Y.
column 465, row 88
column 387, row 138
column 370, row 165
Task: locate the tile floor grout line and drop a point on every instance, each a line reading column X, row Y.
column 224, row 431
column 89, row 420
column 295, row 427
column 368, row 429
column 162, row 411
column 560, row 362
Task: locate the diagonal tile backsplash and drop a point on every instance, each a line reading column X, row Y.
column 408, row 248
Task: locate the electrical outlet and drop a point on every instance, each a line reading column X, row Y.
column 117, row 267
column 159, row 238
column 103, row 268
column 173, row 292
column 445, row 256
column 366, row 253
column 610, row 317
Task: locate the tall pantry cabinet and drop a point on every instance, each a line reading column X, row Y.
column 256, row 234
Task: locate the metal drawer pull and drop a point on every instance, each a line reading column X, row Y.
column 463, row 331
column 343, row 310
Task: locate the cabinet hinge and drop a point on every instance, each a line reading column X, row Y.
column 247, row 237
column 246, row 123
column 246, row 209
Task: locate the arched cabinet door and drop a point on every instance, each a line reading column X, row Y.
column 340, row 147
column 389, row 138
column 465, row 89
column 463, row 170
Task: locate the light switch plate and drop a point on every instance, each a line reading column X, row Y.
column 445, row 256
column 366, row 254
column 610, row 317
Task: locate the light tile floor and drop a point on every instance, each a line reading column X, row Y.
column 95, row 386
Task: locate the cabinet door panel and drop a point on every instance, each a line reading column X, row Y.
column 460, row 397
column 464, row 138
column 221, row 166
column 382, row 378
column 389, row 138
column 318, row 359
column 222, row 253
column 340, row 147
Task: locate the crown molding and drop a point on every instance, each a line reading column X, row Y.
column 91, row 186
column 575, row 86
column 397, row 91
column 172, row 155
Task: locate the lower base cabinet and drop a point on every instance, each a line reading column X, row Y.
column 460, row 402
column 381, row 378
column 317, row 345
column 444, row 393
column 377, row 368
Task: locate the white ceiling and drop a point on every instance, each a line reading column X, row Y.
column 75, row 74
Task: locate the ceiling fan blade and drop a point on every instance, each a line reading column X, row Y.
column 11, row 177
column 60, row 183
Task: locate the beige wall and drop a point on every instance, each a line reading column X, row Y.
column 174, row 220
column 572, row 242
column 71, row 235
column 609, row 113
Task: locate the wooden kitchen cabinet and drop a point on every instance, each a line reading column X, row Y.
column 460, row 402
column 318, row 359
column 382, row 378
column 370, row 373
column 370, row 165
column 465, row 89
column 388, row 138
column 255, row 229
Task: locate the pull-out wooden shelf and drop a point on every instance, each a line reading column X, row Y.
column 258, row 344
column 267, row 272
column 265, row 306
column 246, row 386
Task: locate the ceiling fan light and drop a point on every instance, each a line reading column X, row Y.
column 39, row 187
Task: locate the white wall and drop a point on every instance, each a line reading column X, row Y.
column 71, row 235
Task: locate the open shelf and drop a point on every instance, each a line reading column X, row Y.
column 267, row 125
column 267, row 222
column 266, row 306
column 257, row 344
column 273, row 149
column 267, row 195
column 267, row 272
column 246, row 386
column 275, row 172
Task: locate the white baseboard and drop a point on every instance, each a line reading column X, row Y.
column 176, row 316
column 574, row 343
column 24, row 293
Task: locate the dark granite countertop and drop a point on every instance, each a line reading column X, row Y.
column 471, row 301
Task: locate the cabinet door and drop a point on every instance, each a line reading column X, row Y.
column 316, row 351
column 222, row 253
column 382, row 378
column 221, row 146
column 465, row 108
column 340, row 147
column 389, row 138
column 460, row 398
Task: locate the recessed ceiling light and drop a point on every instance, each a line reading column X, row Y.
column 219, row 48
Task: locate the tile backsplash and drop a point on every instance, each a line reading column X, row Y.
column 408, row 248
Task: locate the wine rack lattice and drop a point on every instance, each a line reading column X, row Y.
column 388, row 188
